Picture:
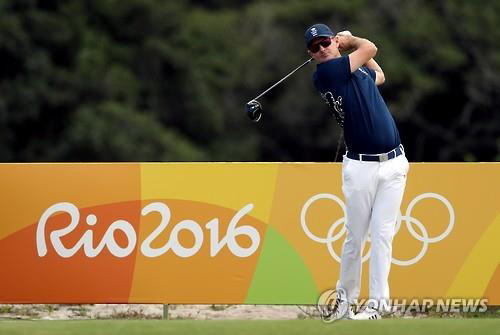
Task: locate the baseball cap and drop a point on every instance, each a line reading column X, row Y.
column 317, row 30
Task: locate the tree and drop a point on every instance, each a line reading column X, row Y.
column 134, row 80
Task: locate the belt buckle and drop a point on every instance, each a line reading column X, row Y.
column 383, row 157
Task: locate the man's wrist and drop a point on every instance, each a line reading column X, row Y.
column 348, row 42
column 345, row 42
column 355, row 42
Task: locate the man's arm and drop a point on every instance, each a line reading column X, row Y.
column 379, row 74
column 364, row 50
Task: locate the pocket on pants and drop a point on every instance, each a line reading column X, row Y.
column 345, row 164
column 347, row 176
column 403, row 165
column 407, row 164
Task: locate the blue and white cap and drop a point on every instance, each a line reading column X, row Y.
column 317, row 30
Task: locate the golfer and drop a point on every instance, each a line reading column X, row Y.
column 374, row 167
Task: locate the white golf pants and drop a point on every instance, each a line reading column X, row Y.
column 373, row 193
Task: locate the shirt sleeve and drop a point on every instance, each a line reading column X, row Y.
column 334, row 72
column 345, row 68
column 372, row 73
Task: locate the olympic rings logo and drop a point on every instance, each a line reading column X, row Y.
column 410, row 221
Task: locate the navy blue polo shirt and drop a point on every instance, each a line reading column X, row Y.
column 357, row 104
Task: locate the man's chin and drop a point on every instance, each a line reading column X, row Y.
column 325, row 58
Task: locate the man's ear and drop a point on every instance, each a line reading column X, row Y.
column 336, row 41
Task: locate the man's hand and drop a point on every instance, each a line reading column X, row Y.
column 344, row 33
column 344, row 40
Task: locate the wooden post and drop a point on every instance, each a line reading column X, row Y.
column 165, row 311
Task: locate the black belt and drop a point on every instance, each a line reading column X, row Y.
column 377, row 157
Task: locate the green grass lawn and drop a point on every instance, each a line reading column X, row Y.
column 258, row 327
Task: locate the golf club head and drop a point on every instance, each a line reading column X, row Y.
column 254, row 110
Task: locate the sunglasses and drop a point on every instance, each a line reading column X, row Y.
column 324, row 43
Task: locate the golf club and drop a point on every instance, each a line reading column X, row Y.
column 253, row 108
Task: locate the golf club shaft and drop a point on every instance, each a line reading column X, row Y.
column 288, row 75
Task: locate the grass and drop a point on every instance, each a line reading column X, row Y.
column 261, row 327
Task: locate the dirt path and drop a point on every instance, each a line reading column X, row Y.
column 150, row 311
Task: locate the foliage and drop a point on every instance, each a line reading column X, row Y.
column 154, row 80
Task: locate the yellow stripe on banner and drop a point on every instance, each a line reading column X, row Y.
column 477, row 270
column 230, row 185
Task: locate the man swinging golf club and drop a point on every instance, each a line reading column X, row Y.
column 374, row 167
